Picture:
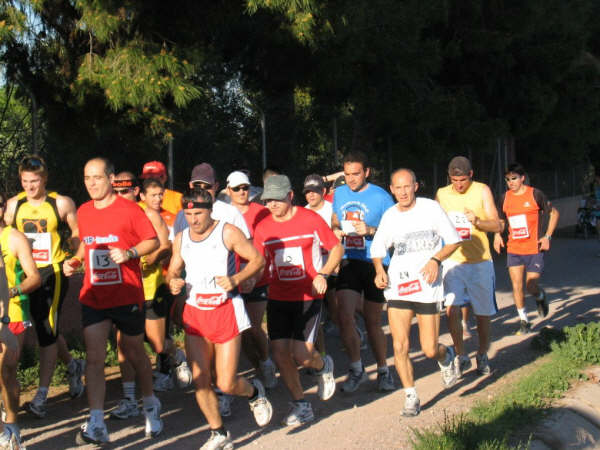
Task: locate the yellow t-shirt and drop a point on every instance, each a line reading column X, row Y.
column 172, row 201
column 18, row 306
column 475, row 247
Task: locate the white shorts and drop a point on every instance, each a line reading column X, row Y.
column 474, row 283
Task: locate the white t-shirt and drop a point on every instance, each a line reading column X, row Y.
column 229, row 214
column 415, row 236
column 325, row 212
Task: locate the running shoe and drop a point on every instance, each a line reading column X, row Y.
column 449, row 372
column 269, row 371
column 37, row 409
column 218, row 441
column 385, row 382
column 483, row 364
column 260, row 406
column 326, row 379
column 154, row 424
column 412, row 406
column 76, row 386
column 524, row 328
column 14, row 441
column 125, row 409
column 92, row 434
column 163, row 382
column 542, row 304
column 354, row 380
column 182, row 373
column 224, row 404
column 300, row 412
column 462, row 363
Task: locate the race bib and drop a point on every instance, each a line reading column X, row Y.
column 518, row 226
column 41, row 244
column 207, row 293
column 103, row 270
column 289, row 263
column 354, row 242
column 409, row 287
column 210, row 300
column 462, row 224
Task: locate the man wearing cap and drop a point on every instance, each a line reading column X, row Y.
column 171, row 199
column 358, row 207
column 256, row 344
column 290, row 240
column 469, row 271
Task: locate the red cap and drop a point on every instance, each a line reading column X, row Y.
column 153, row 169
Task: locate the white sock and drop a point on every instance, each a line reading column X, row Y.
column 356, row 366
column 410, row 391
column 129, row 390
column 97, row 416
column 523, row 314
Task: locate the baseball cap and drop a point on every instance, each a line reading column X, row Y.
column 237, row 178
column 277, row 187
column 204, row 173
column 339, row 181
column 313, row 183
column 459, row 166
column 153, row 169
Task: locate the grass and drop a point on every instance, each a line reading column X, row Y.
column 496, row 424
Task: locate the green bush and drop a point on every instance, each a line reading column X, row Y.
column 582, row 343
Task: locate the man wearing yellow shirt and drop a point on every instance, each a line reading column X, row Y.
column 469, row 271
column 171, row 199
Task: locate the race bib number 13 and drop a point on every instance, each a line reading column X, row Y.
column 103, row 270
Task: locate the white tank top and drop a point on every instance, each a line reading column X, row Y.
column 205, row 260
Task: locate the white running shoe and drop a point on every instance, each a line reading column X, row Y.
column 260, row 406
column 268, row 371
column 154, row 424
column 354, row 380
column 163, row 382
column 92, row 434
column 218, row 441
column 12, row 443
column 462, row 363
column 326, row 379
column 449, row 372
column 76, row 386
column 224, row 404
column 483, row 364
column 125, row 409
column 412, row 406
column 300, row 412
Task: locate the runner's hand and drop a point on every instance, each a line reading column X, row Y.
column 10, row 341
column 118, row 255
column 319, row 285
column 176, row 285
column 430, row 271
column 381, row 280
column 544, row 244
column 71, row 266
column 360, row 227
column 498, row 243
column 226, row 283
column 470, row 215
column 339, row 233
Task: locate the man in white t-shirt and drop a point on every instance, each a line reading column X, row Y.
column 422, row 236
column 314, row 192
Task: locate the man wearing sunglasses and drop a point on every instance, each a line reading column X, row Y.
column 527, row 212
column 40, row 214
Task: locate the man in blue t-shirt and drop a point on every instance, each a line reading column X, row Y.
column 357, row 210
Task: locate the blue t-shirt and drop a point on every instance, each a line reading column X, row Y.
column 367, row 205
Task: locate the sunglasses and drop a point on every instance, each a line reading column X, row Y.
column 122, row 191
column 511, row 178
column 201, row 185
column 243, row 188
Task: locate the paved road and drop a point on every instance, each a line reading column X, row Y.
column 364, row 419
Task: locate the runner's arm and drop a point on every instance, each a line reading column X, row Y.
column 6, row 335
column 381, row 278
column 176, row 265
column 9, row 214
column 71, row 265
column 336, row 227
column 162, row 232
column 68, row 212
column 431, row 269
column 20, row 246
column 544, row 241
column 491, row 223
column 235, row 240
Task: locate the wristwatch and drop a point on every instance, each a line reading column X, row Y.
column 5, row 320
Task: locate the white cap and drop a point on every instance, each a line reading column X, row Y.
column 237, row 178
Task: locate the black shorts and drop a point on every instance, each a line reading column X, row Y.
column 416, row 307
column 297, row 320
column 46, row 301
column 359, row 276
column 258, row 294
column 129, row 319
column 159, row 307
column 331, row 282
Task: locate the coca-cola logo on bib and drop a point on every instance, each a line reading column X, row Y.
column 290, row 272
column 105, row 275
column 410, row 287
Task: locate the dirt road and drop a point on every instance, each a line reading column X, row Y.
column 365, row 419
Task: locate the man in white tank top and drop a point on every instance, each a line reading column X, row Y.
column 214, row 315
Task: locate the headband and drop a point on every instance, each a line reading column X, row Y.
column 193, row 205
column 122, row 183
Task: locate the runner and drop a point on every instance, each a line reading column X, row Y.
column 469, row 272
column 115, row 233
column 526, row 210
column 358, row 206
column 171, row 199
column 254, row 339
column 41, row 215
column 422, row 236
column 23, row 278
column 9, row 347
column 152, row 195
column 290, row 239
column 214, row 314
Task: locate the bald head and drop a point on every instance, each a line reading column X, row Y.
column 403, row 185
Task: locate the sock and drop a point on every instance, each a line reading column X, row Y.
column 356, row 366
column 151, row 401
column 165, row 363
column 129, row 390
column 220, row 431
column 96, row 416
column 383, row 369
column 448, row 359
column 41, row 395
column 523, row 314
column 410, row 391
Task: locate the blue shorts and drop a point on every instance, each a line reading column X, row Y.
column 533, row 263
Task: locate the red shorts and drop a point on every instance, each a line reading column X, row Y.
column 18, row 327
column 218, row 325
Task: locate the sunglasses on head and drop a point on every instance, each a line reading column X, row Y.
column 243, row 188
column 32, row 162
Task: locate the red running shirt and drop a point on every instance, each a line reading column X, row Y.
column 255, row 213
column 292, row 250
column 123, row 224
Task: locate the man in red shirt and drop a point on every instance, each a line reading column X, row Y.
column 526, row 210
column 114, row 233
column 291, row 239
